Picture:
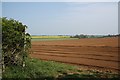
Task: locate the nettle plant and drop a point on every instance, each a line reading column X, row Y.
column 15, row 42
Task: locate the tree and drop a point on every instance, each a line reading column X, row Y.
column 82, row 36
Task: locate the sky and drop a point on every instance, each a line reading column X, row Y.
column 60, row 0
column 0, row 9
column 64, row 18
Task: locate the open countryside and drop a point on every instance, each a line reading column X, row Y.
column 98, row 53
column 59, row 40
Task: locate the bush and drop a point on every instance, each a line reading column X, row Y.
column 15, row 42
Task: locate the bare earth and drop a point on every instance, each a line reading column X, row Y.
column 99, row 53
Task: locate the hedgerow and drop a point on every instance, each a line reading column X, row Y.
column 15, row 43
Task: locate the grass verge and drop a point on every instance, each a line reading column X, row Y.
column 51, row 70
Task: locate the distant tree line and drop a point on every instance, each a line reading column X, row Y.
column 93, row 36
column 118, row 35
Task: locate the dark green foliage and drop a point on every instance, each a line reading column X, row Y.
column 80, row 36
column 15, row 42
column 93, row 36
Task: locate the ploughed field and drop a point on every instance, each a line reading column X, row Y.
column 99, row 53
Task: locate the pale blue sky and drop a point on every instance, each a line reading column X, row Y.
column 65, row 18
column 0, row 9
column 60, row 0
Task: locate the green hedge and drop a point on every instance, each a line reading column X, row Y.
column 15, row 42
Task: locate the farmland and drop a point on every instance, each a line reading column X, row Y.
column 45, row 36
column 92, row 53
column 51, row 38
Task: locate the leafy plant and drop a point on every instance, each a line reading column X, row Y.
column 15, row 42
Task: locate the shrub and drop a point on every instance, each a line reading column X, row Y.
column 15, row 42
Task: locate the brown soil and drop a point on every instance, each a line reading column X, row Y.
column 93, row 53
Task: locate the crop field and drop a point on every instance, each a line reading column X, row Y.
column 92, row 53
column 51, row 38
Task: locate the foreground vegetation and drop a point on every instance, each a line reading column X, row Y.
column 37, row 69
column 15, row 42
column 53, row 70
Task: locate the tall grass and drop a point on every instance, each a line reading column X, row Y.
column 50, row 70
column 37, row 69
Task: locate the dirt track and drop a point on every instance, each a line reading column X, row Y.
column 99, row 52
